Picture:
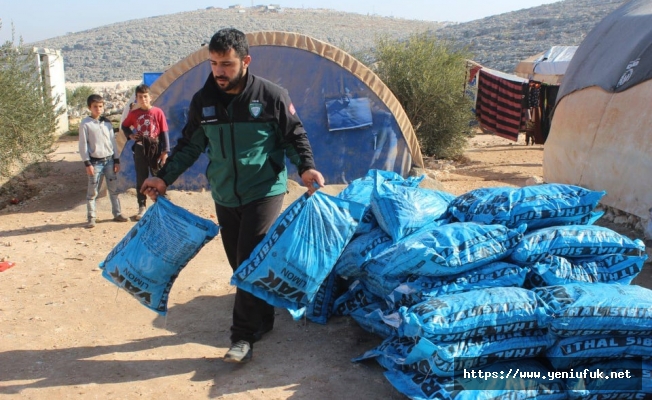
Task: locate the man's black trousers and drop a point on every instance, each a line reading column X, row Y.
column 242, row 228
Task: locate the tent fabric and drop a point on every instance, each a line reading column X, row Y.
column 326, row 51
column 547, row 67
column 555, row 61
column 318, row 72
column 499, row 105
column 600, row 132
column 601, row 141
column 616, row 54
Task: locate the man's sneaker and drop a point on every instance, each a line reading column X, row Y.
column 91, row 223
column 120, row 218
column 240, row 352
column 141, row 212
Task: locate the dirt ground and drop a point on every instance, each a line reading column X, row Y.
column 68, row 333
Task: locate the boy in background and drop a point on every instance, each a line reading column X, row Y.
column 98, row 151
column 148, row 128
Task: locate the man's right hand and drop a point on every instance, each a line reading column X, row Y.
column 153, row 187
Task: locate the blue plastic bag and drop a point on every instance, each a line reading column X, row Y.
column 598, row 309
column 320, row 309
column 573, row 241
column 419, row 386
column 360, row 250
column 356, row 296
column 371, row 318
column 445, row 250
column 361, row 190
column 292, row 261
column 538, row 206
column 416, row 289
column 611, row 268
column 596, row 382
column 401, row 210
column 446, row 358
column 569, row 352
column 480, row 312
column 146, row 262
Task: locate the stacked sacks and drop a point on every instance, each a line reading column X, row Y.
column 537, row 206
column 594, row 383
column 440, row 339
column 447, row 288
column 601, row 326
column 419, row 386
column 581, row 253
column 436, row 275
column 367, row 234
column 396, row 210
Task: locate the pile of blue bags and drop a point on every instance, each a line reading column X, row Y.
column 495, row 280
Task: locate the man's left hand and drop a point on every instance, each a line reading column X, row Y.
column 313, row 180
column 163, row 158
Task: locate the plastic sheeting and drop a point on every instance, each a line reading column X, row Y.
column 547, row 67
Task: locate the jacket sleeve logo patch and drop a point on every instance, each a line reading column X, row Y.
column 208, row 111
column 255, row 108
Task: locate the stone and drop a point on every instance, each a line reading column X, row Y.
column 533, row 180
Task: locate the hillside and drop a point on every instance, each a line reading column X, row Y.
column 123, row 51
column 501, row 41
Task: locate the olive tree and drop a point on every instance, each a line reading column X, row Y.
column 427, row 77
column 27, row 112
column 76, row 98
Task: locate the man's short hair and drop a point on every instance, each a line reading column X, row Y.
column 227, row 39
column 142, row 88
column 94, row 98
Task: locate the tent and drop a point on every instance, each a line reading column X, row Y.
column 600, row 136
column 546, row 67
column 354, row 122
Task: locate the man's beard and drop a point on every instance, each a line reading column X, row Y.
column 232, row 83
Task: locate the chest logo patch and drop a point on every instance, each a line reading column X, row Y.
column 208, row 111
column 255, row 108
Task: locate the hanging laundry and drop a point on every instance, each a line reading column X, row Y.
column 534, row 93
column 499, row 106
column 471, row 86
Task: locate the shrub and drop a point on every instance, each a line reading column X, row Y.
column 27, row 112
column 427, row 77
column 76, row 98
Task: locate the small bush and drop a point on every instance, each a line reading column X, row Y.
column 77, row 98
column 427, row 77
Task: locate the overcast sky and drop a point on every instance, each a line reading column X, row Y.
column 44, row 19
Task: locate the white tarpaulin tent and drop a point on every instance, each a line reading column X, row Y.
column 547, row 67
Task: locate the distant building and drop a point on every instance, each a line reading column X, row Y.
column 237, row 7
column 50, row 66
column 268, row 7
